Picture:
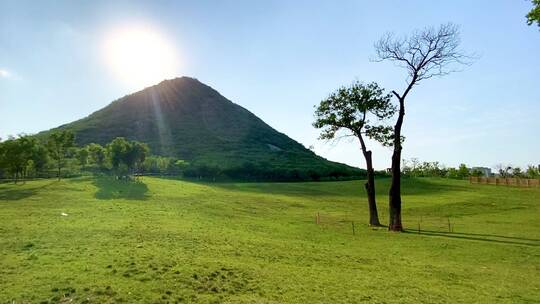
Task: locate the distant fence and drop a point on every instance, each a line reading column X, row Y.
column 505, row 181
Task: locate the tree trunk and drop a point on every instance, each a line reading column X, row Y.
column 370, row 188
column 370, row 185
column 394, row 195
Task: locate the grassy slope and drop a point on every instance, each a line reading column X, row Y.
column 167, row 240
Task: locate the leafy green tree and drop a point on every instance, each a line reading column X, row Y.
column 533, row 172
column 414, row 168
column 59, row 145
column 179, row 166
column 434, row 169
column 463, row 171
column 158, row 164
column 125, row 153
column 30, row 169
column 82, row 156
column 21, row 156
column 97, row 154
column 425, row 54
column 358, row 109
column 477, row 173
column 452, row 173
column 116, row 150
column 136, row 155
column 516, row 172
column 13, row 157
column 39, row 157
column 534, row 14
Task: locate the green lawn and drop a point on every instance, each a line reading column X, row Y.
column 164, row 240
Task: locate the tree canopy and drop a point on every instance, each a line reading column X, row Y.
column 130, row 154
column 534, row 15
column 358, row 108
column 19, row 155
column 58, row 145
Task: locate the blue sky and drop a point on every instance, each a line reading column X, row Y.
column 280, row 58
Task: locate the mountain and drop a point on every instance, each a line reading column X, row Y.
column 187, row 119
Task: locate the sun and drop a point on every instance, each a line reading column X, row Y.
column 139, row 56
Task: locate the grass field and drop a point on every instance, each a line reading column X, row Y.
column 163, row 240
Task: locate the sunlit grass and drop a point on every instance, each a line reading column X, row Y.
column 161, row 240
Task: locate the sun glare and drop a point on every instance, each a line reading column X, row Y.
column 140, row 56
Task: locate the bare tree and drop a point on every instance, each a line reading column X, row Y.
column 426, row 53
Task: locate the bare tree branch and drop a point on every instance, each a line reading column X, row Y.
column 425, row 53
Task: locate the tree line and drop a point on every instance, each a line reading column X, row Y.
column 57, row 155
column 414, row 168
column 515, row 171
column 26, row 156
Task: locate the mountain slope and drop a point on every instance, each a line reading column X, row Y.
column 187, row 119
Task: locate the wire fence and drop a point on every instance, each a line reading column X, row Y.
column 505, row 181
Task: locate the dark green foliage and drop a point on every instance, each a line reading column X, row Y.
column 534, row 15
column 533, row 172
column 203, row 171
column 158, row 164
column 511, row 171
column 82, row 156
column 185, row 119
column 117, row 149
column 463, row 171
column 162, row 165
column 415, row 168
column 97, row 154
column 250, row 171
column 136, row 154
column 59, row 144
column 476, row 172
column 516, row 172
column 22, row 157
column 126, row 156
column 40, row 156
column 359, row 109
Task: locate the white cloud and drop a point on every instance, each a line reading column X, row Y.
column 8, row 74
column 5, row 73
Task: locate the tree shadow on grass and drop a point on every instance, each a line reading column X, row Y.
column 409, row 186
column 490, row 236
column 112, row 188
column 478, row 237
column 424, row 186
column 21, row 191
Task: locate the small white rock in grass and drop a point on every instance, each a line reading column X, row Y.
column 64, row 214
